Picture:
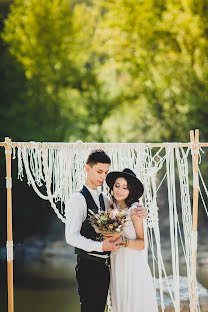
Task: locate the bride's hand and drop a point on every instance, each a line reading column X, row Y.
column 116, row 239
column 113, row 237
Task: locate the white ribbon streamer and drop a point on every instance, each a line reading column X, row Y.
column 194, row 240
column 8, row 182
column 9, row 246
column 195, row 180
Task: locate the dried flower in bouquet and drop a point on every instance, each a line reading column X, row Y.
column 108, row 223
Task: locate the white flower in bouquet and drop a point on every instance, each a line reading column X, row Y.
column 108, row 223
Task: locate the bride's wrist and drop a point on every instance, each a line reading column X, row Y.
column 125, row 242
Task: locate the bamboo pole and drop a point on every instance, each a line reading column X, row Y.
column 195, row 160
column 8, row 151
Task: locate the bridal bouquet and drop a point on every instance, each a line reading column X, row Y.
column 108, row 223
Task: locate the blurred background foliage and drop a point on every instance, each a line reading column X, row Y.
column 119, row 70
column 96, row 70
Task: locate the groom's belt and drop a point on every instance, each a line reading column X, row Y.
column 95, row 258
column 94, row 253
column 99, row 256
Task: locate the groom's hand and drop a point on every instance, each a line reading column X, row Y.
column 140, row 212
column 109, row 245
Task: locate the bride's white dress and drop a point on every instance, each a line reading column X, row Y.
column 131, row 283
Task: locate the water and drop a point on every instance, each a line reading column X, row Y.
column 43, row 287
column 46, row 287
column 46, row 282
column 53, row 300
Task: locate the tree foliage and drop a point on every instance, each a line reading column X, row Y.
column 81, row 66
column 52, row 42
column 160, row 53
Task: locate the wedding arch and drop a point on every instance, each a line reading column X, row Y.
column 60, row 168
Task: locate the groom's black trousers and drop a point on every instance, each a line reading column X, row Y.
column 93, row 279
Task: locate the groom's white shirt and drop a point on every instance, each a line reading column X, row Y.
column 76, row 213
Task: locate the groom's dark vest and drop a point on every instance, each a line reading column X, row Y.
column 87, row 229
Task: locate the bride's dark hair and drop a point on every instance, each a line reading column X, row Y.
column 132, row 198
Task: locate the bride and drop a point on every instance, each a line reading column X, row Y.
column 131, row 284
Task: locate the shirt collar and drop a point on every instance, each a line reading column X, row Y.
column 94, row 192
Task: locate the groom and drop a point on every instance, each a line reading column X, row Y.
column 92, row 269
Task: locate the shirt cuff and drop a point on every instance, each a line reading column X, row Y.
column 98, row 246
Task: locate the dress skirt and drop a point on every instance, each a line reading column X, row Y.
column 131, row 282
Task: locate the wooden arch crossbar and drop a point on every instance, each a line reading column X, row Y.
column 8, row 145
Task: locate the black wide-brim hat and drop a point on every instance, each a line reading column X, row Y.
column 127, row 174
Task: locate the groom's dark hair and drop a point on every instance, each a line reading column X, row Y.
column 98, row 156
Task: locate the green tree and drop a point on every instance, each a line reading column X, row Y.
column 53, row 42
column 160, row 53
